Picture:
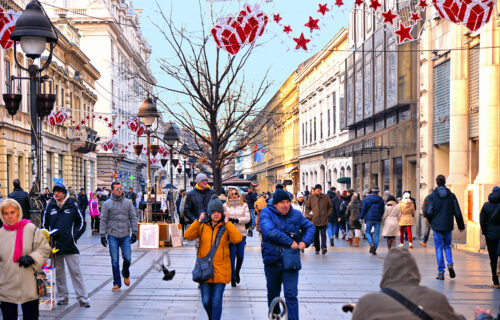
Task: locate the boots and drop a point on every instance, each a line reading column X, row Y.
column 356, row 241
column 350, row 241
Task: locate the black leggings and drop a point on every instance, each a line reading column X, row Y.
column 492, row 245
column 94, row 223
column 30, row 310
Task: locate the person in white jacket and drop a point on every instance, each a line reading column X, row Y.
column 239, row 214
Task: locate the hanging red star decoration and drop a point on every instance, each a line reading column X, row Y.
column 110, row 124
column 277, row 18
column 422, row 4
column 119, row 127
column 105, row 119
column 123, row 122
column 123, row 151
column 312, row 24
column 100, row 117
column 358, row 2
column 113, row 132
column 93, row 116
column 77, row 127
column 287, row 29
column 82, row 122
column 339, row 3
column 301, row 42
column 323, row 8
column 389, row 16
column 403, row 33
column 88, row 117
column 415, row 17
column 374, row 4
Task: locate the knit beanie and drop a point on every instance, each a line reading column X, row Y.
column 59, row 185
column 215, row 205
column 200, row 176
column 300, row 195
column 280, row 195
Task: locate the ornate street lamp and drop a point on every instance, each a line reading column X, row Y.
column 185, row 152
column 34, row 30
column 148, row 115
column 171, row 138
column 193, row 161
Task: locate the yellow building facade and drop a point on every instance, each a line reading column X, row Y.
column 460, row 115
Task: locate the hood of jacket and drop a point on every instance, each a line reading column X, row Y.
column 331, row 194
column 442, row 192
column 117, row 198
column 19, row 216
column 390, row 203
column 400, row 269
column 494, row 196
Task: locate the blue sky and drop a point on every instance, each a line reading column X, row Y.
column 277, row 51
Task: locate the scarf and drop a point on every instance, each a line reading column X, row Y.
column 18, row 250
column 234, row 203
column 200, row 188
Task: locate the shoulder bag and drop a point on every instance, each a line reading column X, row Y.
column 416, row 310
column 204, row 267
column 291, row 259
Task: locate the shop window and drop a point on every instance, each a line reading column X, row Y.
column 366, row 175
column 369, row 127
column 357, row 169
column 380, row 124
column 386, row 175
column 404, row 115
column 398, row 177
column 391, row 119
column 360, row 131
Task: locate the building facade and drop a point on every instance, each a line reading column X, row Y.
column 111, row 36
column 459, row 115
column 67, row 153
column 321, row 92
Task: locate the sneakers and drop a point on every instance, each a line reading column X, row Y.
column 332, row 242
column 115, row 288
column 440, row 276
column 411, row 245
column 126, row 281
column 316, row 252
column 233, row 283
column 323, row 251
column 452, row 271
column 423, row 244
column 84, row 304
column 62, row 302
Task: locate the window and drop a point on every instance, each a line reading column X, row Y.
column 334, row 112
column 57, row 94
column 303, row 135
column 48, row 169
column 310, row 131
column 18, row 87
column 329, row 123
column 62, row 97
column 321, row 126
column 7, row 76
column 61, row 166
column 398, row 176
column 386, row 175
column 366, row 175
column 473, row 82
column 314, row 128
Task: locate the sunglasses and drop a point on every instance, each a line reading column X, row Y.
column 204, row 180
column 234, row 194
column 118, row 188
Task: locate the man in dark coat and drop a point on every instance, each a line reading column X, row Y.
column 21, row 197
column 197, row 199
column 131, row 195
column 372, row 212
column 490, row 226
column 441, row 207
column 83, row 202
column 334, row 219
column 251, row 198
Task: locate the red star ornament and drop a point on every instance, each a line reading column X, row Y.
column 123, row 122
column 277, row 18
column 415, row 17
column 82, row 122
column 358, row 2
column 339, row 3
column 389, row 16
column 312, row 24
column 110, row 124
column 77, row 127
column 374, row 4
column 323, row 8
column 287, row 29
column 403, row 33
column 93, row 116
column 119, row 127
column 113, row 132
column 105, row 119
column 88, row 117
column 301, row 42
column 422, row 4
column 100, row 117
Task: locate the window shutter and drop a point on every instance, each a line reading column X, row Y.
column 474, row 92
column 441, row 105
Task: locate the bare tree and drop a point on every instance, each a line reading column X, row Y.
column 215, row 104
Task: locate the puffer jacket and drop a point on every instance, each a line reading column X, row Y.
column 239, row 211
column 442, row 206
column 277, row 229
column 68, row 220
column 353, row 213
column 407, row 212
column 93, row 206
column 335, row 205
column 207, row 234
column 18, row 284
column 23, row 199
column 401, row 274
column 118, row 217
column 489, row 227
column 196, row 202
column 390, row 220
column 373, row 208
column 319, row 208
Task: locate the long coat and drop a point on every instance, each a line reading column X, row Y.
column 407, row 212
column 321, row 208
column 353, row 213
column 207, row 235
column 390, row 220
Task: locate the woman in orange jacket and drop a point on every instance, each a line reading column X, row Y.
column 206, row 228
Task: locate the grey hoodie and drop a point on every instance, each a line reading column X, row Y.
column 118, row 217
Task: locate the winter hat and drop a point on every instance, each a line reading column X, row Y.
column 318, row 186
column 496, row 189
column 200, row 176
column 215, row 204
column 344, row 193
column 390, row 198
column 279, row 186
column 406, row 196
column 375, row 189
column 300, row 194
column 59, row 185
column 280, row 195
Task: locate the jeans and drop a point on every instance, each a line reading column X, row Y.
column 493, row 245
column 275, row 277
column 252, row 216
column 427, row 231
column 322, row 230
column 211, row 297
column 114, row 250
column 369, row 225
column 237, row 253
column 30, row 310
column 333, row 229
column 442, row 242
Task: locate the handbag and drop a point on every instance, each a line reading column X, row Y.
column 291, row 259
column 204, row 267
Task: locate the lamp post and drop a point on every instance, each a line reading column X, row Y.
column 148, row 115
column 34, row 30
column 171, row 138
column 193, row 161
column 185, row 152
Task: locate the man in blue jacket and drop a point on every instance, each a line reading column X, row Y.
column 62, row 213
column 372, row 212
column 283, row 228
column 441, row 207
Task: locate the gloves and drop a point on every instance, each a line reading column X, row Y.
column 104, row 241
column 234, row 220
column 26, row 261
column 133, row 238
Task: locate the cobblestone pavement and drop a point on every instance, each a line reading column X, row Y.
column 326, row 283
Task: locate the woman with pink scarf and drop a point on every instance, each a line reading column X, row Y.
column 94, row 212
column 23, row 251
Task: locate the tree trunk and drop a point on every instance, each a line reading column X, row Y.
column 217, row 176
